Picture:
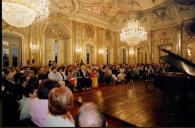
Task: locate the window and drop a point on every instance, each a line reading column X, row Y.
column 11, row 51
column 89, row 50
column 123, row 56
column 87, row 58
column 56, row 49
column 15, row 57
column 5, row 57
column 108, row 56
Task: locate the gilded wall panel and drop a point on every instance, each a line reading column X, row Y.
column 188, row 45
column 162, row 37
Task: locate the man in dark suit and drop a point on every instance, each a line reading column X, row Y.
column 85, row 80
column 79, row 78
column 10, row 106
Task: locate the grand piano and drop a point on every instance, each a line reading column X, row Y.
column 179, row 82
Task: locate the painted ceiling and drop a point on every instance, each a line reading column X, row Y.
column 113, row 14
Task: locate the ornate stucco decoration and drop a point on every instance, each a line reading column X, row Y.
column 89, row 31
column 67, row 6
column 59, row 17
column 52, row 32
column 164, row 38
column 161, row 15
column 110, row 14
column 7, row 27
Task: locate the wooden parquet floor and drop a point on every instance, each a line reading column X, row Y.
column 142, row 108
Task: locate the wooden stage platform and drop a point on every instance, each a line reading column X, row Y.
column 143, row 108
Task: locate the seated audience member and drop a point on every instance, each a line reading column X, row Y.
column 60, row 76
column 33, row 81
column 94, row 78
column 47, row 70
column 90, row 116
column 54, row 75
column 10, row 86
column 39, row 105
column 102, row 70
column 108, row 75
column 25, row 103
column 64, row 72
column 22, row 69
column 114, row 70
column 86, row 81
column 42, row 74
column 79, row 78
column 59, row 103
column 17, row 77
column 122, row 74
column 30, row 74
column 61, row 70
column 20, row 87
column 72, row 78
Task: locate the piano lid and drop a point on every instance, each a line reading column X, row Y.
column 179, row 62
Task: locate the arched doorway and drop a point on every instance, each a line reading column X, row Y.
column 57, row 43
column 89, row 53
column 12, row 49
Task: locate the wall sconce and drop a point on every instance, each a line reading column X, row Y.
column 5, row 43
column 79, row 50
column 34, row 47
column 100, row 51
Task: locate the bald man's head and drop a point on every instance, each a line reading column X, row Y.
column 90, row 116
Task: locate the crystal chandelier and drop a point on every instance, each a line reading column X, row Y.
column 133, row 33
column 22, row 13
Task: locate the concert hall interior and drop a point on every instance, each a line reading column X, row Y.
column 98, row 63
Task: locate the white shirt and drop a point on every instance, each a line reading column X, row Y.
column 58, row 121
column 25, row 104
column 55, row 76
column 84, row 74
column 64, row 75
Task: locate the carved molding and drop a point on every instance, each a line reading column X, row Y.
column 7, row 27
column 89, row 30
